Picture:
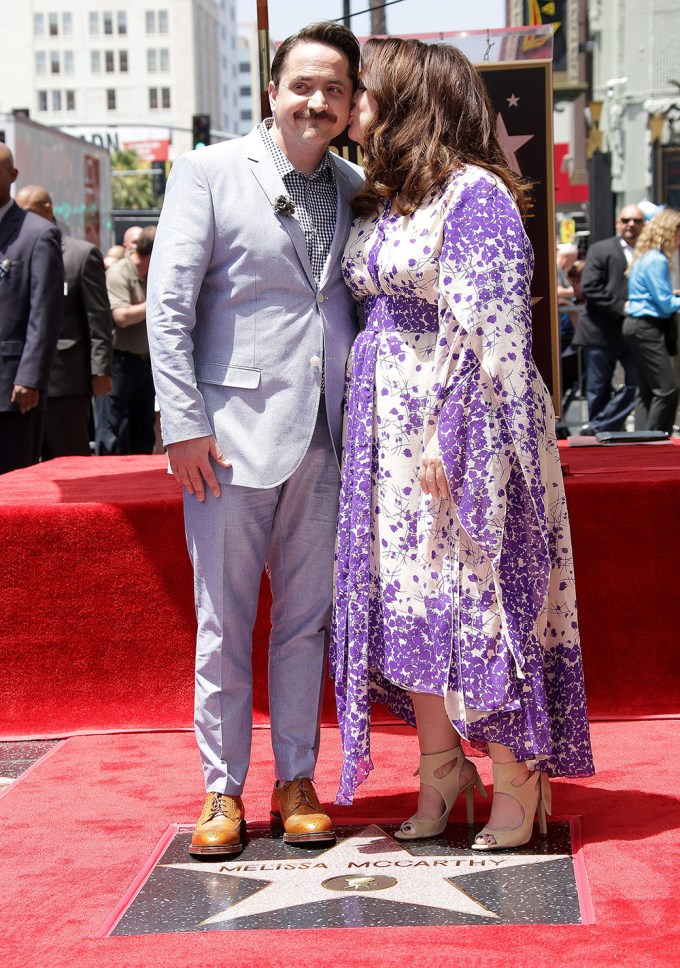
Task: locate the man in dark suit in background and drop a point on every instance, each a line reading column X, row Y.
column 82, row 364
column 31, row 307
column 605, row 286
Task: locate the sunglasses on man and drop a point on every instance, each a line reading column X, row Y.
column 635, row 221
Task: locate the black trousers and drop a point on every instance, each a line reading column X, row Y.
column 20, row 439
column 67, row 426
column 657, row 394
column 125, row 418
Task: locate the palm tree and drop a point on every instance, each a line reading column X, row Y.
column 134, row 190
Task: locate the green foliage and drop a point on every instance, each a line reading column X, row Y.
column 131, row 191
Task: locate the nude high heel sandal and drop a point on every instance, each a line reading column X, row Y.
column 450, row 789
column 533, row 794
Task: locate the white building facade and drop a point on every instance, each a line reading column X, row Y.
column 122, row 72
column 636, row 81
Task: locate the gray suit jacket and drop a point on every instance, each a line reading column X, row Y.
column 31, row 302
column 84, row 346
column 237, row 324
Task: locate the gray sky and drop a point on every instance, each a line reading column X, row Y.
column 405, row 17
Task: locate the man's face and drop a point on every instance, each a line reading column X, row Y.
column 8, row 176
column 629, row 223
column 311, row 104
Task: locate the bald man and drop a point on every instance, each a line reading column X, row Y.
column 31, row 308
column 130, row 238
column 82, row 365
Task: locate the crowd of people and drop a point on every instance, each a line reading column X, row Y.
column 617, row 308
column 399, row 479
column 74, row 367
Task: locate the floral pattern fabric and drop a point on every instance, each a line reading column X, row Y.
column 470, row 597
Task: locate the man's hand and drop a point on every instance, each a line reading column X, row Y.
column 101, row 385
column 431, row 472
column 190, row 464
column 26, row 397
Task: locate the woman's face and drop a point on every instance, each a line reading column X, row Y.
column 363, row 107
column 677, row 239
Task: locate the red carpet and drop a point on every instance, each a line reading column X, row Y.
column 97, row 626
column 76, row 830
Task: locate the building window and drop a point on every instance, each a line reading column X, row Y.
column 244, row 67
column 95, row 62
column 151, row 60
column 40, row 62
column 246, row 115
column 165, row 59
column 162, row 21
column 122, row 22
column 68, row 62
column 54, row 24
column 165, row 97
column 66, row 24
column 39, row 26
column 56, row 100
column 54, row 62
column 245, row 91
column 107, row 19
column 42, row 100
column 151, row 21
column 123, row 61
column 110, row 65
column 70, row 100
column 94, row 24
column 153, row 98
column 111, row 99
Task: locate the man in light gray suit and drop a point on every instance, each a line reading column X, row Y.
column 250, row 326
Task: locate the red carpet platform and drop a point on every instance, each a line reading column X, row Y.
column 78, row 828
column 98, row 623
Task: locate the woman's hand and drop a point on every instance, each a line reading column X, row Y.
column 431, row 472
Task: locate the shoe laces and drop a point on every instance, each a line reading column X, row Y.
column 301, row 795
column 222, row 804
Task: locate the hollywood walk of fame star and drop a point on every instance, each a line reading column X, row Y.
column 369, row 862
column 513, row 100
column 511, row 143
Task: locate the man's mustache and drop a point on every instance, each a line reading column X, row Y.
column 310, row 115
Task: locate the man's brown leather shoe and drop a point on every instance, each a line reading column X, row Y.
column 297, row 813
column 221, row 828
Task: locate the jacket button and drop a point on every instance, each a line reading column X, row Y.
column 315, row 361
column 320, row 297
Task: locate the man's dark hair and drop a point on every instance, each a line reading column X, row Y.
column 325, row 32
column 144, row 244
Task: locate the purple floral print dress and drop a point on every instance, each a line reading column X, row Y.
column 470, row 597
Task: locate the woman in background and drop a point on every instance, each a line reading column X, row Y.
column 455, row 590
column 650, row 329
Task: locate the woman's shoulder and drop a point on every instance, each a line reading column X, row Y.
column 651, row 260
column 471, row 180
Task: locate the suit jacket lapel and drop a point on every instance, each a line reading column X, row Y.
column 272, row 185
column 8, row 224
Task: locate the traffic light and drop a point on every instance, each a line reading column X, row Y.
column 200, row 125
column 158, row 178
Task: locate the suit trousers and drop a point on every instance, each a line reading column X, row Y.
column 608, row 407
column 657, row 396
column 67, row 426
column 291, row 529
column 124, row 418
column 20, row 438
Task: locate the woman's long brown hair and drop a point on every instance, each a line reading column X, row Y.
column 433, row 115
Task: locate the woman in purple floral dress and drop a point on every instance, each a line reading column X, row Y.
column 454, row 599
